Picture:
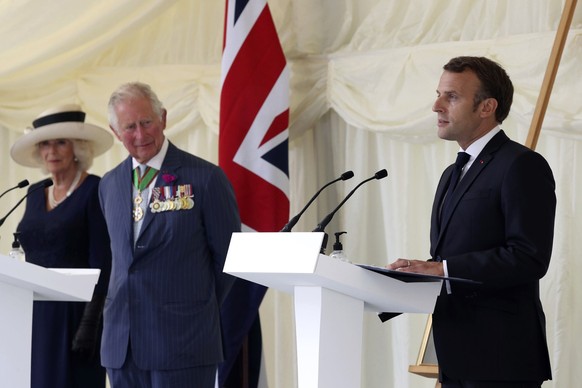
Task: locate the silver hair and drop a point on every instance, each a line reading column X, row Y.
column 130, row 91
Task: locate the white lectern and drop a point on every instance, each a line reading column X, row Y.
column 20, row 284
column 329, row 297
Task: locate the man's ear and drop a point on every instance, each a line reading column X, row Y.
column 164, row 116
column 488, row 107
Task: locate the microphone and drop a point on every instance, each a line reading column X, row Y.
column 20, row 185
column 344, row 177
column 321, row 226
column 42, row 185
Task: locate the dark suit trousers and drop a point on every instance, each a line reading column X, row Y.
column 489, row 384
column 130, row 376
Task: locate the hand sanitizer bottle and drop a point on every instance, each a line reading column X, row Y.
column 16, row 252
column 338, row 249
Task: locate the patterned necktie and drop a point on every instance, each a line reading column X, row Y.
column 462, row 159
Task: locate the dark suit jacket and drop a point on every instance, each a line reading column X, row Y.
column 165, row 294
column 500, row 233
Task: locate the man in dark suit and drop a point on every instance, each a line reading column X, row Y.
column 170, row 226
column 495, row 227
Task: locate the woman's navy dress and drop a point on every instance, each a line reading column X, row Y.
column 72, row 235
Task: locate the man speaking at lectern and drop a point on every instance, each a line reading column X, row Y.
column 493, row 222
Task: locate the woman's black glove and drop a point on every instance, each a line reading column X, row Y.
column 85, row 342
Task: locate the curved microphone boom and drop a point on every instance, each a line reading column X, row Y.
column 344, row 177
column 42, row 185
column 20, row 185
column 321, row 226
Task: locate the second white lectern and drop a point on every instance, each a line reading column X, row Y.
column 20, row 284
column 330, row 297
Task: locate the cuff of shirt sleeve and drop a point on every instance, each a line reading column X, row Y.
column 446, row 272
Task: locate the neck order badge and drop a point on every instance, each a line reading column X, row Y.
column 141, row 182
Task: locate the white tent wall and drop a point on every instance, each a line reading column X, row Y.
column 364, row 74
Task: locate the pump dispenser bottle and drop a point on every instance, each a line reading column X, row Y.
column 338, row 249
column 16, row 252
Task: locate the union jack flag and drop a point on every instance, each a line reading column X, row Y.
column 253, row 143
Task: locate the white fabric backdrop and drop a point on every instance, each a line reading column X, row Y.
column 363, row 79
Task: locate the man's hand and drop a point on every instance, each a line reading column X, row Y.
column 417, row 266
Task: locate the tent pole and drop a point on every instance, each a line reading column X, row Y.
column 550, row 76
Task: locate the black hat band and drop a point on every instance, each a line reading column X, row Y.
column 62, row 117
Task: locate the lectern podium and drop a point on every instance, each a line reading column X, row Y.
column 20, row 284
column 330, row 297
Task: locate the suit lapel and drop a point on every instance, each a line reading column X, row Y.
column 122, row 197
column 480, row 163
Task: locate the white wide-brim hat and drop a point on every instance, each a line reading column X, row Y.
column 62, row 122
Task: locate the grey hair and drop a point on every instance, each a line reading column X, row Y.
column 130, row 91
column 82, row 149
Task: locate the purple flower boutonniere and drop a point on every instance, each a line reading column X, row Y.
column 168, row 178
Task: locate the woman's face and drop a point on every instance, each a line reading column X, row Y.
column 57, row 155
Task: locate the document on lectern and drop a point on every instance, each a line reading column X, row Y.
column 412, row 277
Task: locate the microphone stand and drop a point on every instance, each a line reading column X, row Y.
column 321, row 226
column 20, row 185
column 43, row 184
column 287, row 228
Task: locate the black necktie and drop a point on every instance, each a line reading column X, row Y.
column 462, row 159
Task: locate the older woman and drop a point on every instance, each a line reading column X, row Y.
column 63, row 227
